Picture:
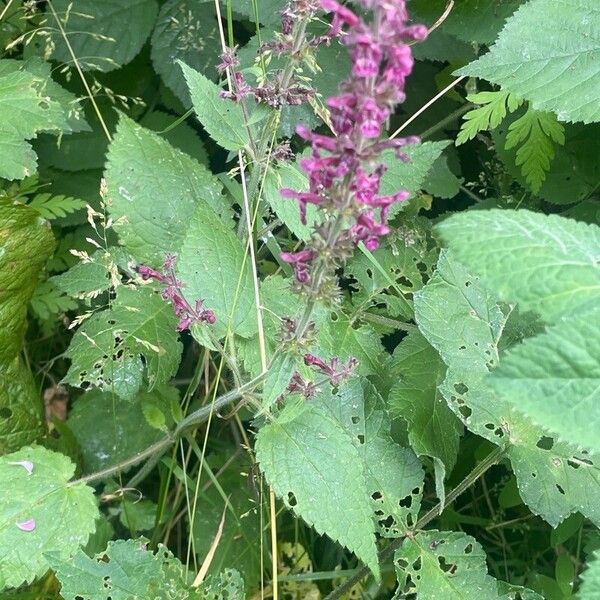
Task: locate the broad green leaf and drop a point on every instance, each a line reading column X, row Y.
column 433, row 428
column 213, row 267
column 109, row 431
column 556, row 68
column 103, row 35
column 554, row 378
column 87, row 279
column 60, row 515
column 185, row 30
column 26, row 111
column 126, row 570
column 314, row 466
column 450, row 565
column 469, row 329
column 590, row 586
column 222, row 119
column 470, row 20
column 154, row 191
column 493, row 107
column 546, row 263
column 106, row 351
column 26, row 242
column 534, row 134
column 441, row 182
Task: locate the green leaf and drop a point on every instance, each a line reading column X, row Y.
column 222, row 119
column 89, row 278
column 213, row 267
column 124, row 571
column 26, row 111
column 187, row 31
column 109, row 431
column 546, row 263
column 102, row 35
column 433, row 429
column 441, row 182
column 314, row 466
column 26, row 242
column 467, row 326
column 54, row 207
column 138, row 516
column 63, row 513
column 227, row 585
column 534, row 133
column 451, row 565
column 409, row 175
column 154, row 190
column 556, row 68
column 106, row 351
column 590, row 586
column 48, row 301
column 554, row 378
column 494, row 106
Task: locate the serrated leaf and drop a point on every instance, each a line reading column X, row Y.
column 534, row 133
column 213, row 267
column 441, row 182
column 546, row 263
column 86, row 279
column 109, row 431
column 26, row 111
column 554, row 378
column 54, row 207
column 433, row 429
column 313, row 465
column 223, row 119
column 494, row 106
column 530, row 58
column 125, row 571
column 155, row 189
column 106, row 351
column 590, row 586
column 451, row 565
column 48, row 301
column 185, row 30
column 467, row 326
column 63, row 514
column 102, row 35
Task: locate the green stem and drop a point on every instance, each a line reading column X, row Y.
column 493, row 458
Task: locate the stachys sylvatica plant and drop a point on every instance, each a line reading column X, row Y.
column 299, row 299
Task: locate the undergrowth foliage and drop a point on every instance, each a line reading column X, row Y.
column 299, row 300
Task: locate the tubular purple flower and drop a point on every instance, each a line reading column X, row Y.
column 345, row 171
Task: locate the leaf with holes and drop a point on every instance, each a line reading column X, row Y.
column 468, row 328
column 188, row 31
column 554, row 378
column 154, row 191
column 42, row 513
column 433, row 428
column 102, row 35
column 449, row 565
column 313, row 464
column 222, row 119
column 107, row 350
column 547, row 263
column 556, row 68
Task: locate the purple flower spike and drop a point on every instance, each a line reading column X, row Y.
column 26, row 464
column 28, row 525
